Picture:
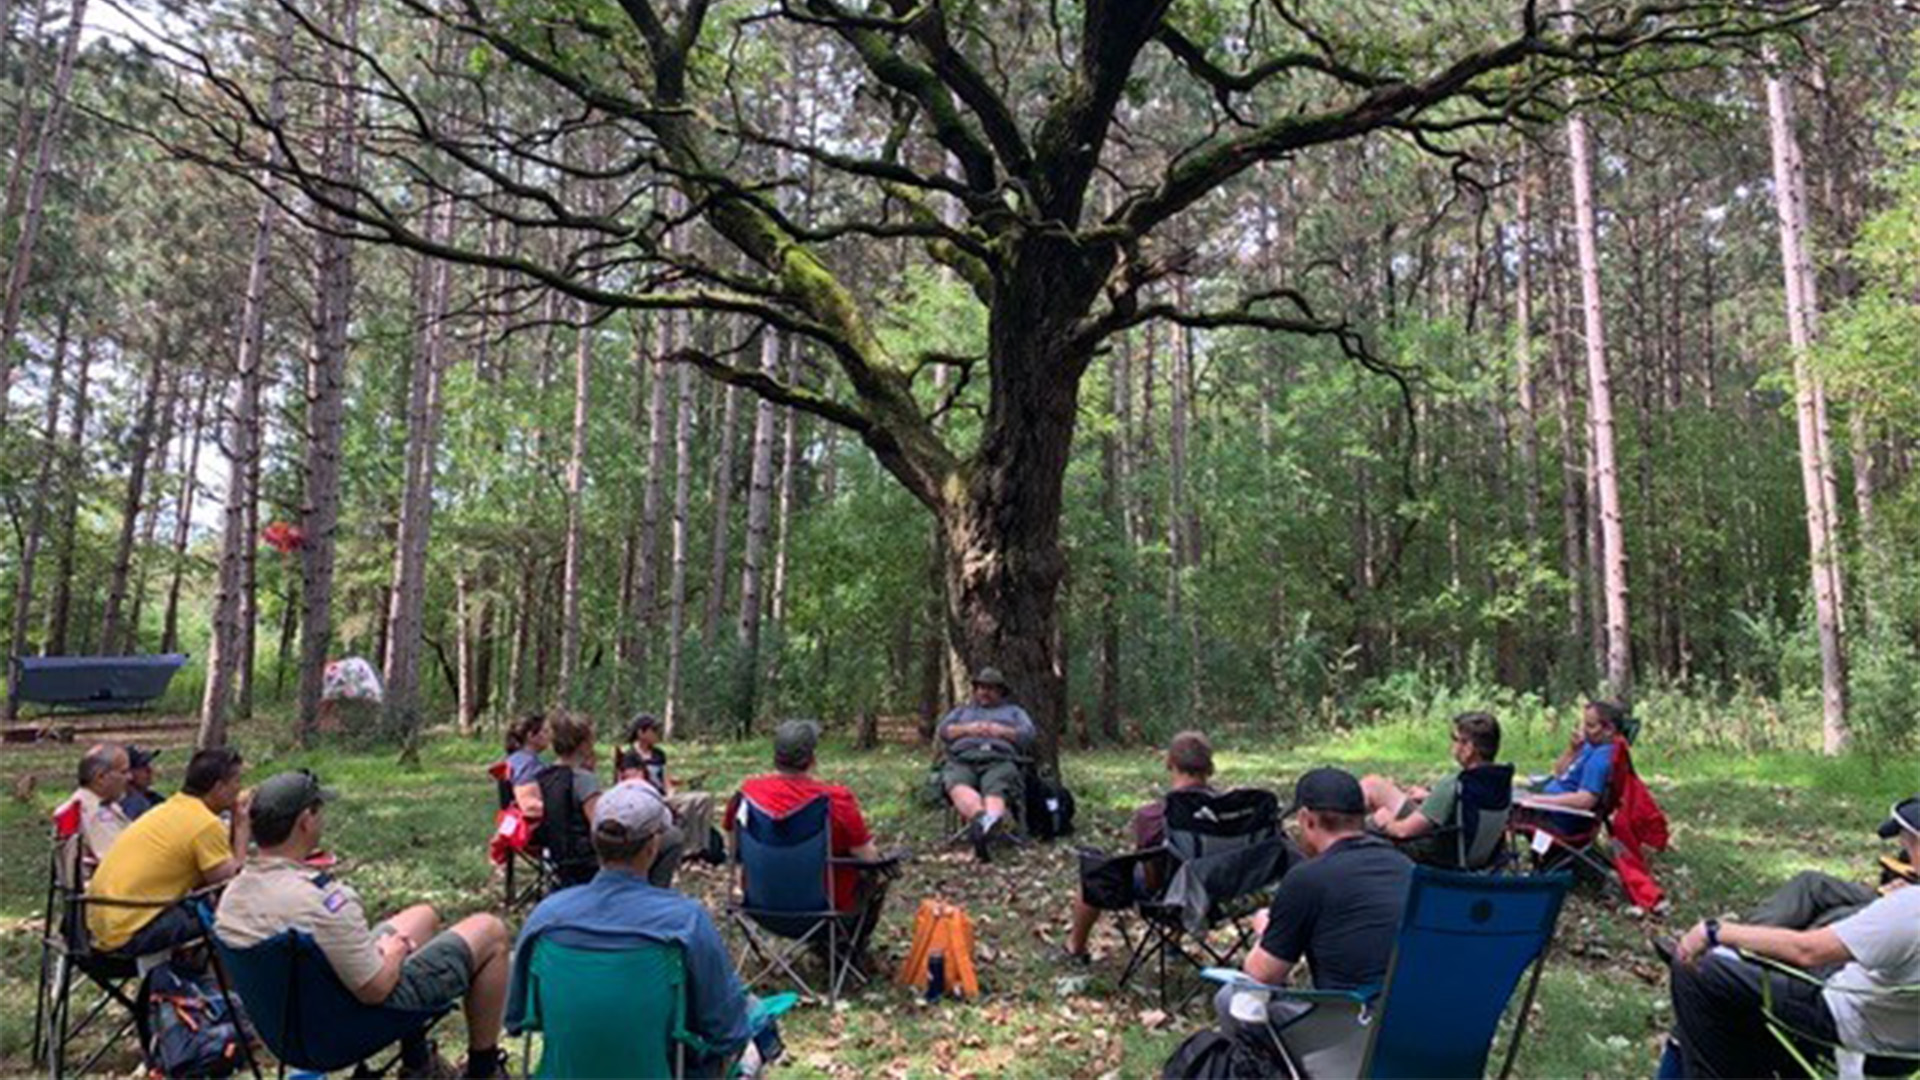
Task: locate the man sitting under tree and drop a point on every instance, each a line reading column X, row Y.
column 630, row 821
column 1411, row 816
column 103, row 779
column 983, row 744
column 405, row 962
column 177, row 847
column 1719, row 1028
column 1189, row 765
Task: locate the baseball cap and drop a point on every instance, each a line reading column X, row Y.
column 631, row 809
column 139, row 757
column 794, row 742
column 1904, row 815
column 1328, row 789
column 282, row 796
column 990, row 676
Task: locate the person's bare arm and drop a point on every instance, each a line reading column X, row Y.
column 983, row 729
column 239, row 838
column 867, row 852
column 1265, row 967
column 1577, row 800
column 1805, row 949
column 1406, row 828
column 394, row 950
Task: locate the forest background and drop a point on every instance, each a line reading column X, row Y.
column 1336, row 447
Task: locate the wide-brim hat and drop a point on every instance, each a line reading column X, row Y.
column 990, row 676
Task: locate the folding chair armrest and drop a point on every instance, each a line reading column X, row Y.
column 1240, row 980
column 1780, row 967
column 1527, row 803
column 887, row 863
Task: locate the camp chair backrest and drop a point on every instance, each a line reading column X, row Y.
column 784, row 860
column 1617, row 774
column 1201, row 823
column 302, row 1011
column 94, row 682
column 563, row 830
column 612, row 1006
column 1464, row 942
column 1483, row 790
column 499, row 770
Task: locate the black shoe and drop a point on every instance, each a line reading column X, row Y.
column 1081, row 960
column 982, row 849
column 1663, row 948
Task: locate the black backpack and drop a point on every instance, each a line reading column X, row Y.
column 1212, row 1055
column 1049, row 808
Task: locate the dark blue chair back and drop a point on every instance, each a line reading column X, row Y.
column 784, row 861
column 301, row 1010
column 1487, row 789
column 1464, row 942
column 94, row 682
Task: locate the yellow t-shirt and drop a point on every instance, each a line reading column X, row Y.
column 162, row 856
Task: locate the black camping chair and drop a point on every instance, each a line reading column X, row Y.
column 527, row 875
column 563, row 835
column 1224, row 854
column 1475, row 839
column 68, row 956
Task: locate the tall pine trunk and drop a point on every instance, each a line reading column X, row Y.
column 73, row 467
column 722, row 486
column 1605, row 472
column 1790, row 200
column 646, row 587
column 576, row 511
column 37, row 517
column 682, row 495
column 753, row 557
column 183, row 521
column 112, row 630
column 327, row 376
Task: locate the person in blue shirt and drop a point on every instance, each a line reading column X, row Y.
column 629, row 821
column 1580, row 777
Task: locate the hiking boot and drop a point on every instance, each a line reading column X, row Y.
column 494, row 1067
column 981, row 840
column 1079, row 960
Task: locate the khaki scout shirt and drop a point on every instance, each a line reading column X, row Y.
column 271, row 895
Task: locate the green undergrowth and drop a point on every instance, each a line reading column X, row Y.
column 1743, row 821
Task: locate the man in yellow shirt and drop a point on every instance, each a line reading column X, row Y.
column 173, row 849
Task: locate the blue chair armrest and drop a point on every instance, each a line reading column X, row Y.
column 1240, row 980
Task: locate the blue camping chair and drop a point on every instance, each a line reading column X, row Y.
column 785, row 866
column 300, row 1009
column 1464, row 942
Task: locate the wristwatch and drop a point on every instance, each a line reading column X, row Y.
column 1713, row 933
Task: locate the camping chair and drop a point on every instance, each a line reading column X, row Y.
column 1223, row 855
column 1483, row 791
column 67, row 951
column 785, row 873
column 563, row 835
column 1557, row 848
column 1463, row 944
column 302, row 1012
column 608, row 1006
column 1819, row 1057
column 527, row 875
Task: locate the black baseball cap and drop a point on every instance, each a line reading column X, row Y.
column 139, row 757
column 1904, row 815
column 1328, row 789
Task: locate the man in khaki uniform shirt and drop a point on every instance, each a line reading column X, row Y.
column 405, row 962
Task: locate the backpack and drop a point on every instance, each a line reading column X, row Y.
column 1050, row 808
column 1213, row 1055
column 196, row 1028
column 943, row 928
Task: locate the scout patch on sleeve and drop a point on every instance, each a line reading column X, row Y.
column 334, row 901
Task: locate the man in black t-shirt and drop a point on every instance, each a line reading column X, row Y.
column 1339, row 910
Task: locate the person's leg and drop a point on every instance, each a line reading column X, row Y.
column 1719, row 1025
column 673, row 849
column 419, row 923
column 1383, row 798
column 1085, row 916
column 1000, row 785
column 1810, row 899
column 966, row 801
column 488, row 944
column 962, row 783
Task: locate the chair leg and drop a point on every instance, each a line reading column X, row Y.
column 226, row 991
column 57, row 1022
column 40, row 1002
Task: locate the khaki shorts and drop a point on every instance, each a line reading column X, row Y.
column 435, row 977
column 989, row 776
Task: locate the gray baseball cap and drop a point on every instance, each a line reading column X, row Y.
column 633, row 808
column 794, row 742
column 283, row 796
column 990, row 676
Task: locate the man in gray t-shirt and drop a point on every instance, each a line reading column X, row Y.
column 983, row 743
column 1719, row 1029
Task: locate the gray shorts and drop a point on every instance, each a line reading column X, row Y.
column 435, row 977
column 989, row 776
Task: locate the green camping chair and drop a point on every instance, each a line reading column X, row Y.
column 619, row 1010
column 1819, row 1057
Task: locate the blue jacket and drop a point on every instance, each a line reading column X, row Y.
column 620, row 903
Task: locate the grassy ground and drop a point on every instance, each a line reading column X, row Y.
column 1742, row 823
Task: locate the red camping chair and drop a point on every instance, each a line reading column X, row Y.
column 527, row 874
column 1627, row 812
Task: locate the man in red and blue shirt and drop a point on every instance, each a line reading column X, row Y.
column 792, row 785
